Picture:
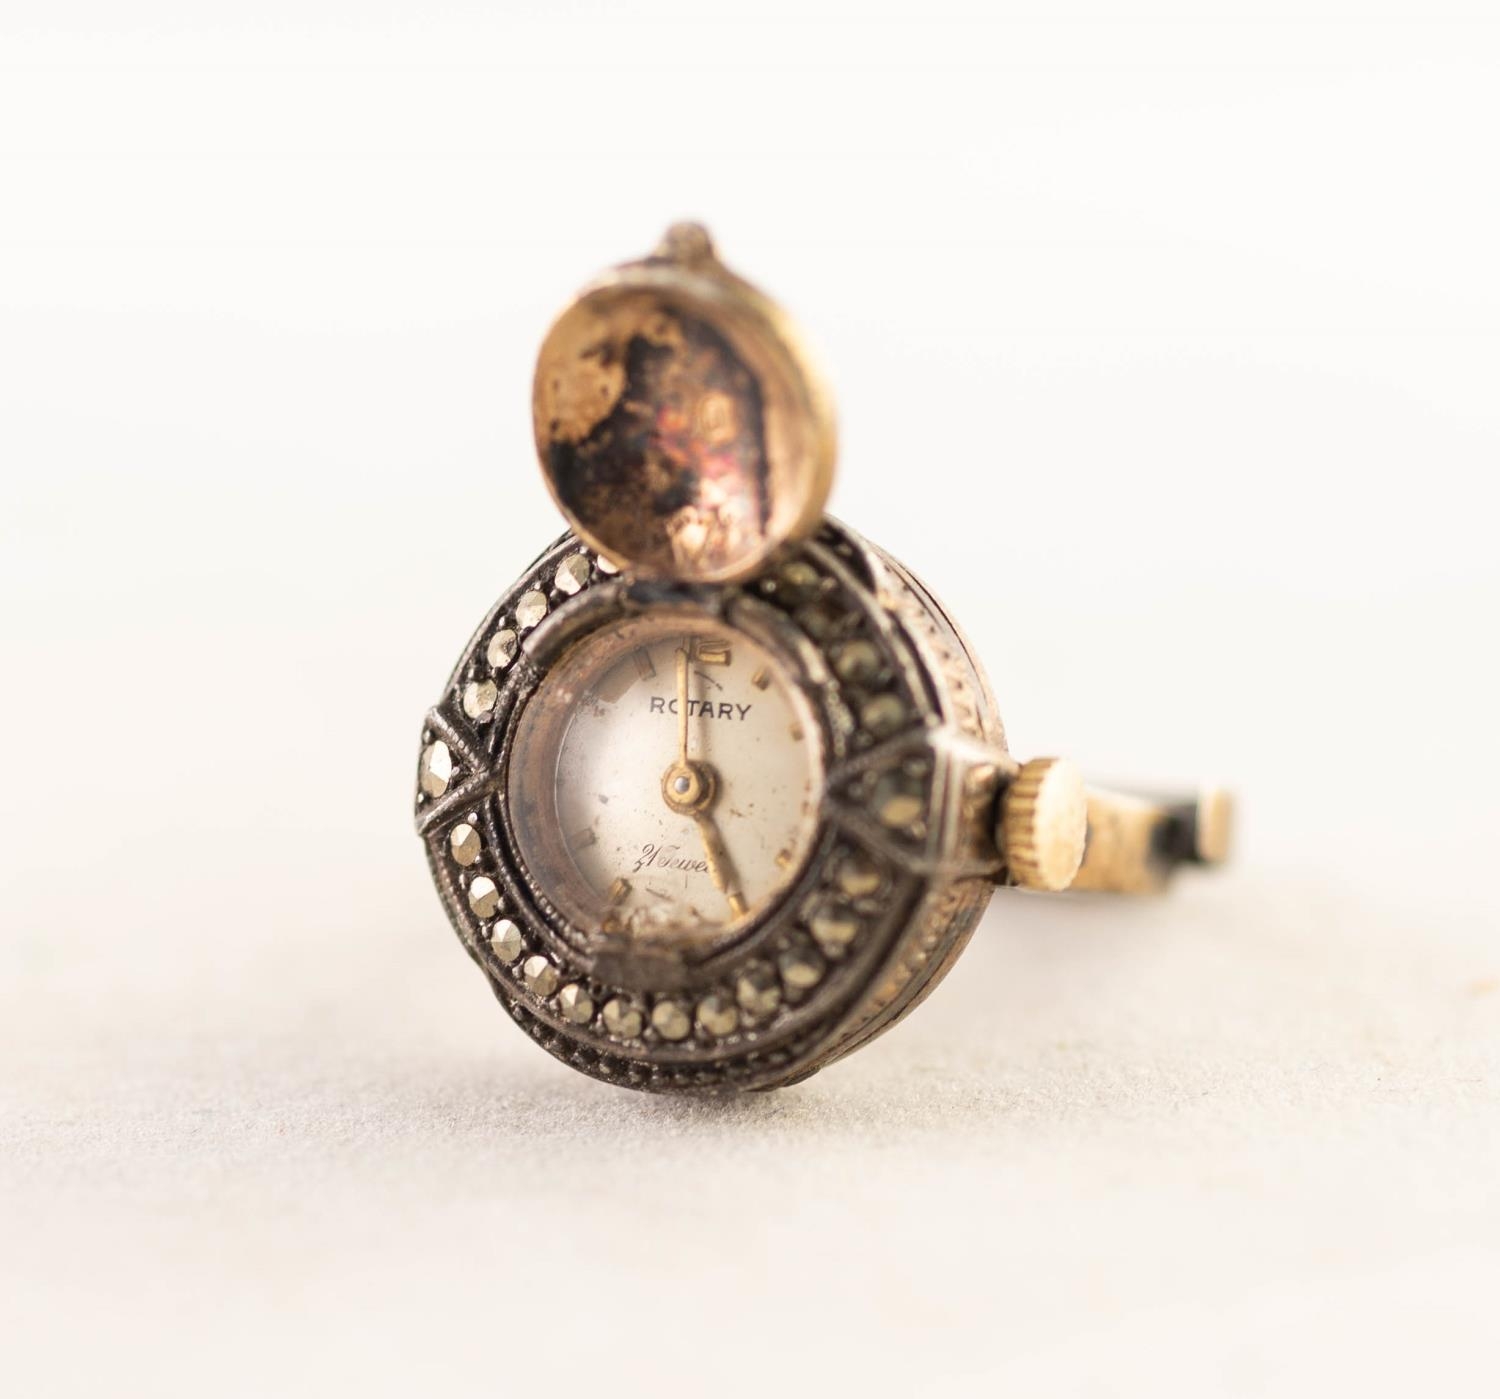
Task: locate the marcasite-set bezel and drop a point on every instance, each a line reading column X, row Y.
column 900, row 868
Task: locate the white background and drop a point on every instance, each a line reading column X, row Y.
column 1166, row 340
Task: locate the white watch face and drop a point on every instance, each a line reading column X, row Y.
column 666, row 778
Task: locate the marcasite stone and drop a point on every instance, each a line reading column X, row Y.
column 540, row 976
column 531, row 609
column 817, row 621
column 671, row 1020
column 622, row 1019
column 883, row 715
column 898, row 799
column 799, row 580
column 858, row 876
column 758, row 991
column 484, row 898
column 800, row 968
column 502, row 648
column 435, row 771
column 718, row 1015
column 576, row 1004
column 505, row 941
column 834, row 925
column 479, row 698
column 572, row 573
column 857, row 662
column 463, row 841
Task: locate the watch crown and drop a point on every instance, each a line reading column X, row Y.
column 1043, row 825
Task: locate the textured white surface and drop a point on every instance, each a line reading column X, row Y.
column 1213, row 302
column 1247, row 1146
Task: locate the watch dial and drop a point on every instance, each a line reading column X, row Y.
column 665, row 779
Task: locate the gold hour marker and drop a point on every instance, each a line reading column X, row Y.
column 761, row 678
column 710, row 650
column 783, row 859
column 796, row 733
column 618, row 890
column 644, row 667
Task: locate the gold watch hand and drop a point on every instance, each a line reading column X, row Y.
column 690, row 788
column 682, row 705
column 719, row 866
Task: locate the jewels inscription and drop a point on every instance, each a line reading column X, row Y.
column 668, row 857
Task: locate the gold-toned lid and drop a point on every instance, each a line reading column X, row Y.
column 680, row 425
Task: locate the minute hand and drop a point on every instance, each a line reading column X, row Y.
column 719, row 866
column 682, row 706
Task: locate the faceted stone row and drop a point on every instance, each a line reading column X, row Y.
column 836, row 915
column 754, row 996
column 873, row 692
column 636, row 1073
column 570, row 577
column 673, row 1020
column 832, row 920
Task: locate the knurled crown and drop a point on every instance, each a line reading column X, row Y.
column 1043, row 824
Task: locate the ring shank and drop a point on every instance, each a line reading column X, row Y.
column 1135, row 843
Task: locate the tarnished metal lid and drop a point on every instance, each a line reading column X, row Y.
column 681, row 427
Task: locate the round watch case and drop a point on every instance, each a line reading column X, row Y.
column 900, row 868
